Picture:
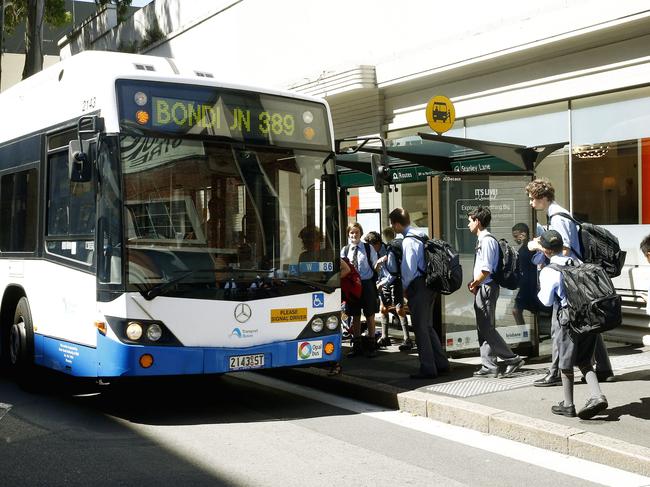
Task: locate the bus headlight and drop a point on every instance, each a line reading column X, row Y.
column 154, row 332
column 332, row 322
column 317, row 325
column 140, row 99
column 134, row 330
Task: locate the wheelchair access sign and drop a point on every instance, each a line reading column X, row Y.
column 318, row 300
column 441, row 114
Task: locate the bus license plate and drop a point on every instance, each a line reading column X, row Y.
column 247, row 361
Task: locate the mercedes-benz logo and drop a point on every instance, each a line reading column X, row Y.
column 243, row 312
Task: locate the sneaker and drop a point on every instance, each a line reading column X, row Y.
column 406, row 346
column 485, row 372
column 514, row 367
column 562, row 410
column 548, row 380
column 384, row 342
column 335, row 369
column 592, row 407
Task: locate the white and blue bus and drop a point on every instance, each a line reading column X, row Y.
column 154, row 221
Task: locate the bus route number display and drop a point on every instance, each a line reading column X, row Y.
column 185, row 114
column 241, row 115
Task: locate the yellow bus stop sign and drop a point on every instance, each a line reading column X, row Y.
column 440, row 114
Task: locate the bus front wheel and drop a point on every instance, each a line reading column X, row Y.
column 21, row 339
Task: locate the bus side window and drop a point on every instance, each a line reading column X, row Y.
column 18, row 211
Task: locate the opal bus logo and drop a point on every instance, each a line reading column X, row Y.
column 304, row 350
column 310, row 350
column 243, row 312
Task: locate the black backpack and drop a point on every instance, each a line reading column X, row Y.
column 598, row 246
column 507, row 273
column 443, row 272
column 395, row 247
column 592, row 303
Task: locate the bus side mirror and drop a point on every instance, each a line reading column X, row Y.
column 79, row 162
column 381, row 174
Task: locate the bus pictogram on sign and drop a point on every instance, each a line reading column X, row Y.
column 440, row 114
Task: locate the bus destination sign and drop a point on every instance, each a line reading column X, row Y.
column 244, row 116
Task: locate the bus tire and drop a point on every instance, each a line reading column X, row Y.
column 21, row 340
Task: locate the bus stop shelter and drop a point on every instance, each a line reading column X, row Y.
column 461, row 174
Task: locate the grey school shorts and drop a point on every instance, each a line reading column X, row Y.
column 575, row 350
column 368, row 302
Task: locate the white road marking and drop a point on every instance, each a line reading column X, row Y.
column 557, row 462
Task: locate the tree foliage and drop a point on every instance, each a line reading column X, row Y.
column 122, row 7
column 16, row 13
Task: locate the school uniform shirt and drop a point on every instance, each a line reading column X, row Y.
column 413, row 263
column 567, row 230
column 565, row 227
column 384, row 276
column 487, row 255
column 363, row 264
column 551, row 287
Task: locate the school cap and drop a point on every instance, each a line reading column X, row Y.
column 551, row 240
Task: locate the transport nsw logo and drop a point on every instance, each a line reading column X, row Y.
column 243, row 312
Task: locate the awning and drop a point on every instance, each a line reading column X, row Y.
column 444, row 153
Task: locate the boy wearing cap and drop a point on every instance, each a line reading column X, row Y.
column 541, row 194
column 572, row 350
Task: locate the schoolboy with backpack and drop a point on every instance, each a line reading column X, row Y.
column 542, row 198
column 486, row 292
column 579, row 308
column 389, row 285
column 421, row 298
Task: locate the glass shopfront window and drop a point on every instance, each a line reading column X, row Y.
column 546, row 124
column 610, row 142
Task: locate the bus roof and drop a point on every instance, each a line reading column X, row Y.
column 85, row 83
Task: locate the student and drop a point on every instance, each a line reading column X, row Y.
column 527, row 295
column 573, row 350
column 363, row 257
column 389, row 285
column 645, row 248
column 421, row 298
column 486, row 293
column 542, row 198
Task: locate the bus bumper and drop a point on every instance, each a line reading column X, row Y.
column 117, row 359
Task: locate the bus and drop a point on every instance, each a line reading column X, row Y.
column 154, row 221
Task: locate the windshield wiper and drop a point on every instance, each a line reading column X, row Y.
column 163, row 287
column 314, row 285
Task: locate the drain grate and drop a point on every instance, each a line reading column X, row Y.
column 475, row 387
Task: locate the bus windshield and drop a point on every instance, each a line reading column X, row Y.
column 209, row 219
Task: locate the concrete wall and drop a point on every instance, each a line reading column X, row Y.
column 12, row 68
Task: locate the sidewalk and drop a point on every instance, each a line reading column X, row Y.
column 511, row 407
